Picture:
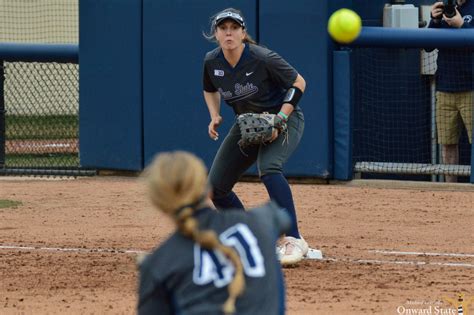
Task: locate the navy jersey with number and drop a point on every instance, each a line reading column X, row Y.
column 180, row 277
column 258, row 82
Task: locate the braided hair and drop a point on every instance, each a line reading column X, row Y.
column 177, row 184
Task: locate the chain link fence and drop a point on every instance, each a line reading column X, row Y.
column 39, row 105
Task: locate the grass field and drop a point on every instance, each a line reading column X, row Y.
column 42, row 160
column 40, row 127
column 5, row 203
column 34, row 128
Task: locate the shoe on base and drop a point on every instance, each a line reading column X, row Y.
column 292, row 250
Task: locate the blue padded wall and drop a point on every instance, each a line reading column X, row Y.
column 343, row 99
column 110, row 84
column 175, row 114
column 298, row 33
column 141, row 72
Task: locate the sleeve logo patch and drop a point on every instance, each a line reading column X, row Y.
column 218, row 73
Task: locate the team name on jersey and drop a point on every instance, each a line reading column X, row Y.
column 225, row 94
column 211, row 266
column 248, row 88
column 240, row 92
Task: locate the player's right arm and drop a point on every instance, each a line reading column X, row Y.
column 213, row 102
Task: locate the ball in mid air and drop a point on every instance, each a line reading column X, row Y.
column 344, row 26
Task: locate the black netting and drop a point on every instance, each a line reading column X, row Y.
column 395, row 116
column 39, row 21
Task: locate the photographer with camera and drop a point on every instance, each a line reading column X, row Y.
column 452, row 14
column 454, row 80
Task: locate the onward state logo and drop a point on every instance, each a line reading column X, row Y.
column 425, row 309
column 448, row 306
column 461, row 303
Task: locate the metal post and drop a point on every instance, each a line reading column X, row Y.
column 434, row 142
column 2, row 116
column 471, row 178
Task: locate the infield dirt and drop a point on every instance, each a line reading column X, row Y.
column 68, row 248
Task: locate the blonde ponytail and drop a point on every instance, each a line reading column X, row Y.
column 177, row 183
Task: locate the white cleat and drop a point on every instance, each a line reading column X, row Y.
column 292, row 250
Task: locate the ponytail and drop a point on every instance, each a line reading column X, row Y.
column 177, row 184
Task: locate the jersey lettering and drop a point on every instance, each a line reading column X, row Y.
column 242, row 239
column 211, row 266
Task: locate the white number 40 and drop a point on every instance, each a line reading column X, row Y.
column 213, row 266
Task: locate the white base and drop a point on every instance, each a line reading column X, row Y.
column 314, row 254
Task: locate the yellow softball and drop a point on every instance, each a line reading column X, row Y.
column 344, row 26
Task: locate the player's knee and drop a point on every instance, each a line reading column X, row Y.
column 269, row 169
column 227, row 200
column 218, row 193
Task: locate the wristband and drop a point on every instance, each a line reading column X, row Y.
column 283, row 115
column 293, row 96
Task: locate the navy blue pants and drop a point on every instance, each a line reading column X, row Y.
column 231, row 161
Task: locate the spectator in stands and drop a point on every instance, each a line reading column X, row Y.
column 454, row 83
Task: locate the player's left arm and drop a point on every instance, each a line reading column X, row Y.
column 275, row 216
column 292, row 98
column 300, row 83
column 155, row 305
column 152, row 298
column 286, row 76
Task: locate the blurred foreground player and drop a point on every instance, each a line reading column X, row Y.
column 215, row 262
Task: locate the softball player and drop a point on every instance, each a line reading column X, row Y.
column 215, row 262
column 253, row 79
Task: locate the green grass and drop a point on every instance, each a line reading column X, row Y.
column 40, row 127
column 9, row 203
column 42, row 160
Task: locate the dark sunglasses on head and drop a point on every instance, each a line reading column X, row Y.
column 229, row 15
